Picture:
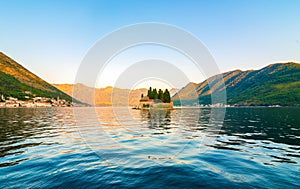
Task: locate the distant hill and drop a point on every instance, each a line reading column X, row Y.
column 16, row 81
column 103, row 96
column 276, row 84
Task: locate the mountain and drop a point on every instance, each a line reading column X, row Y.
column 16, row 81
column 173, row 91
column 276, row 84
column 103, row 96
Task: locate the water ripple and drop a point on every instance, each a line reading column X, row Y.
column 254, row 148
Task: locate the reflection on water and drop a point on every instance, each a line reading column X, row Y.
column 121, row 147
column 23, row 129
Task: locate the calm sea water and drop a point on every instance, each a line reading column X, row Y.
column 124, row 148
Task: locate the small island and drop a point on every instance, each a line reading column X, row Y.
column 157, row 99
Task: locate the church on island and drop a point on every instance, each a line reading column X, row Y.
column 156, row 99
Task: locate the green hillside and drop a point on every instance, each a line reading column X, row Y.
column 276, row 84
column 16, row 81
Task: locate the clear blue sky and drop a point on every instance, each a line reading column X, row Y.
column 50, row 37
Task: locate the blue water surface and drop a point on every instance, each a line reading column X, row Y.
column 125, row 148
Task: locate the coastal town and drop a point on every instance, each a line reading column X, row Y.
column 11, row 102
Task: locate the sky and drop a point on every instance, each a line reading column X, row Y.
column 51, row 37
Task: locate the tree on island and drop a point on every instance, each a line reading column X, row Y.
column 160, row 95
column 163, row 96
column 155, row 94
column 166, row 96
column 150, row 93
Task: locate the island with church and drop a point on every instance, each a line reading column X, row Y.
column 157, row 99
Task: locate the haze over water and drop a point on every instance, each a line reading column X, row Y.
column 255, row 148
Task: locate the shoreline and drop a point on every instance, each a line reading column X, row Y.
column 174, row 108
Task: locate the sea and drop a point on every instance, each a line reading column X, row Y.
column 119, row 147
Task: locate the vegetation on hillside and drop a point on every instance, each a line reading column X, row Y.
column 276, row 84
column 18, row 82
